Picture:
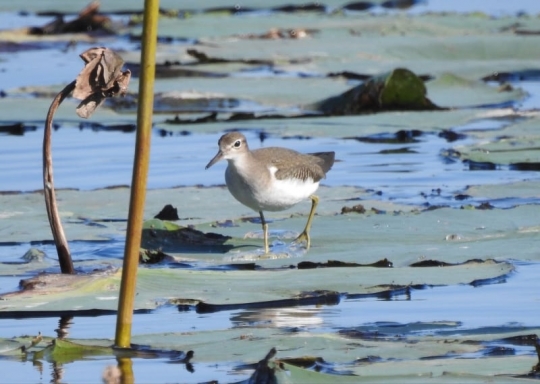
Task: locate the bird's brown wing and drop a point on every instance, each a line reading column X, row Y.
column 294, row 165
column 326, row 160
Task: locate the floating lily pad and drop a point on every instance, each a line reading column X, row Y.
column 64, row 351
column 515, row 143
column 99, row 291
column 450, row 90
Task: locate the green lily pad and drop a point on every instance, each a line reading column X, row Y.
column 65, row 351
column 516, row 142
column 395, row 360
column 521, row 189
column 453, row 91
column 292, row 375
column 155, row 287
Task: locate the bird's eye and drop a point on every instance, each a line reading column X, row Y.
column 237, row 143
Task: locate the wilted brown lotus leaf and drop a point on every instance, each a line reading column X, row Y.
column 101, row 77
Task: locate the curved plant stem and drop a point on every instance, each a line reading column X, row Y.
column 64, row 256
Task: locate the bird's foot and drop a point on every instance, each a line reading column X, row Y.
column 303, row 238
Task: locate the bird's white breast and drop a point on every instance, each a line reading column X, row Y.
column 263, row 192
column 283, row 194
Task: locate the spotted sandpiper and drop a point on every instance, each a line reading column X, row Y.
column 273, row 178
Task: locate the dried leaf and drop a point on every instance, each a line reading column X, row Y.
column 100, row 78
column 89, row 105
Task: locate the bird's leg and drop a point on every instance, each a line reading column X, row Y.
column 304, row 236
column 265, row 233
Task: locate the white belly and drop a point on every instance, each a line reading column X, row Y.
column 283, row 194
column 275, row 196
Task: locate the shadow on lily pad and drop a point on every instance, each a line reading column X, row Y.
column 158, row 234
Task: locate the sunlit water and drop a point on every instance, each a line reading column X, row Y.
column 180, row 160
column 106, row 158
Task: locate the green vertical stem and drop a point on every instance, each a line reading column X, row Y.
column 140, row 173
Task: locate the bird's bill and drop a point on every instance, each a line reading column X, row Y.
column 216, row 158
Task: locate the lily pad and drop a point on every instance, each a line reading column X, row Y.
column 65, row 351
column 516, row 142
column 450, row 90
column 99, row 291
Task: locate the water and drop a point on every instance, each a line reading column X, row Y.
column 454, row 304
column 180, row 159
column 498, row 8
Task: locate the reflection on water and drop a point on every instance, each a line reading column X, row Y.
column 295, row 317
column 125, row 368
column 64, row 324
column 57, row 372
